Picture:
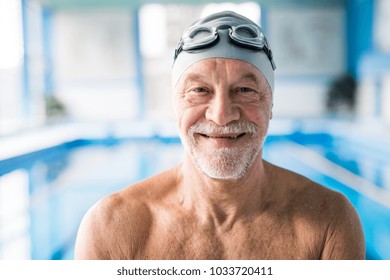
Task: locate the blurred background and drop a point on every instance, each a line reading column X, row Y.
column 85, row 106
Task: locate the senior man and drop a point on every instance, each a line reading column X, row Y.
column 223, row 201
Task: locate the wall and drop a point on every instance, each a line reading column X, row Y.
column 309, row 50
column 374, row 68
column 94, row 64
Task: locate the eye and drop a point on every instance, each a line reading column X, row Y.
column 245, row 90
column 197, row 93
column 199, row 89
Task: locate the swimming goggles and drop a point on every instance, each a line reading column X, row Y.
column 248, row 36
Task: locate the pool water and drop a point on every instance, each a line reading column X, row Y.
column 43, row 196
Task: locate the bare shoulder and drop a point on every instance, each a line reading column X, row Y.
column 328, row 213
column 109, row 228
column 301, row 191
column 306, row 194
column 117, row 226
column 343, row 233
column 344, row 236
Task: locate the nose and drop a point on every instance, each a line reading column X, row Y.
column 222, row 110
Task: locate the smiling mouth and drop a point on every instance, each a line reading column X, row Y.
column 223, row 136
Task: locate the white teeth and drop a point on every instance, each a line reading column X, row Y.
column 227, row 137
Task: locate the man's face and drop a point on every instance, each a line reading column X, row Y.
column 223, row 107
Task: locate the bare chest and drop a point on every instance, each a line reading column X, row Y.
column 256, row 240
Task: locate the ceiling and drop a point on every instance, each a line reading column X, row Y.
column 80, row 4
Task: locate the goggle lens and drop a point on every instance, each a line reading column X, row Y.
column 199, row 37
column 247, row 35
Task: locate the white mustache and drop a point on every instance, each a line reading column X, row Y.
column 234, row 127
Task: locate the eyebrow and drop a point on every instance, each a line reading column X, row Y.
column 261, row 82
column 192, row 77
column 250, row 76
column 246, row 76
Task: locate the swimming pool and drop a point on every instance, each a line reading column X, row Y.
column 44, row 195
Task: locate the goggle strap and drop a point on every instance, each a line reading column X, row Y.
column 270, row 56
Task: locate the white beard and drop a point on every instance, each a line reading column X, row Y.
column 225, row 163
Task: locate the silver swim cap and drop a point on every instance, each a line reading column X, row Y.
column 226, row 35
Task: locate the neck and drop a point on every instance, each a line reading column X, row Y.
column 224, row 201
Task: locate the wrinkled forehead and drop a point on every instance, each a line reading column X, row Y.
column 226, row 69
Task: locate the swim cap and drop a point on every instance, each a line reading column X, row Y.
column 225, row 35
